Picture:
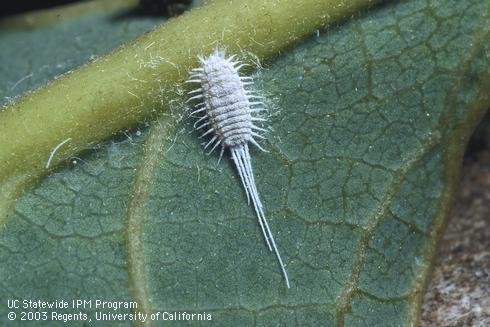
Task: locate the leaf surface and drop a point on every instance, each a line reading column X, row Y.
column 368, row 121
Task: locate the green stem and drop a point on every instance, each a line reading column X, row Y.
column 129, row 85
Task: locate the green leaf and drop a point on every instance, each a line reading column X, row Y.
column 369, row 121
column 133, row 83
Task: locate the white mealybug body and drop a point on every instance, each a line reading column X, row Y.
column 227, row 109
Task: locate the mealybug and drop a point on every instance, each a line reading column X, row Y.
column 228, row 109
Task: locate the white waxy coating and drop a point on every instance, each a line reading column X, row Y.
column 227, row 105
column 227, row 108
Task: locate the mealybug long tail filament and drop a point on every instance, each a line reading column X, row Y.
column 241, row 157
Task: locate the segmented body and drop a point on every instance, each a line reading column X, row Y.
column 228, row 118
